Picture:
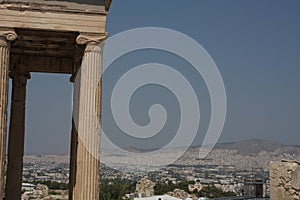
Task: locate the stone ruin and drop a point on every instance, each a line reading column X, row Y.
column 40, row 192
column 146, row 187
column 285, row 180
column 181, row 194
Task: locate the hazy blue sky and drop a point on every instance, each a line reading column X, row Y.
column 255, row 44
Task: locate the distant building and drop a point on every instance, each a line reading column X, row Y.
column 28, row 186
column 254, row 187
column 158, row 197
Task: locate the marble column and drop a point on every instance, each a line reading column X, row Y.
column 6, row 35
column 73, row 153
column 85, row 147
column 16, row 136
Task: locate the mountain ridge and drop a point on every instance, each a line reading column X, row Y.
column 255, row 146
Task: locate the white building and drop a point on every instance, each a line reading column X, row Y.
column 158, row 197
column 28, row 186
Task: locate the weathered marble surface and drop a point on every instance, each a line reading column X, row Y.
column 285, row 180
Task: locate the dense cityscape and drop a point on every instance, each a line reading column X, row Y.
column 230, row 171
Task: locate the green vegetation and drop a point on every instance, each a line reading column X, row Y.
column 115, row 189
column 163, row 188
column 54, row 193
column 213, row 192
column 52, row 185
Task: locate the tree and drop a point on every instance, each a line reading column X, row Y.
column 115, row 189
column 213, row 192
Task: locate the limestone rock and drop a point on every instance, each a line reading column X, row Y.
column 145, row 186
column 285, row 180
column 181, row 194
column 41, row 190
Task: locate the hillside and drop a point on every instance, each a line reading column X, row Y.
column 255, row 146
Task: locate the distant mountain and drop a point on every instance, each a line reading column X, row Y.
column 255, row 146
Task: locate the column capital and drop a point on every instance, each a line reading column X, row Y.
column 88, row 38
column 95, row 47
column 90, row 48
column 21, row 75
column 7, row 35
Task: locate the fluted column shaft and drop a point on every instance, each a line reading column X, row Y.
column 4, row 62
column 6, row 35
column 85, row 147
column 16, row 136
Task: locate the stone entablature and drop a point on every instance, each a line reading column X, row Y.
column 53, row 15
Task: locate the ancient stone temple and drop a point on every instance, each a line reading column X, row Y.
column 50, row 36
